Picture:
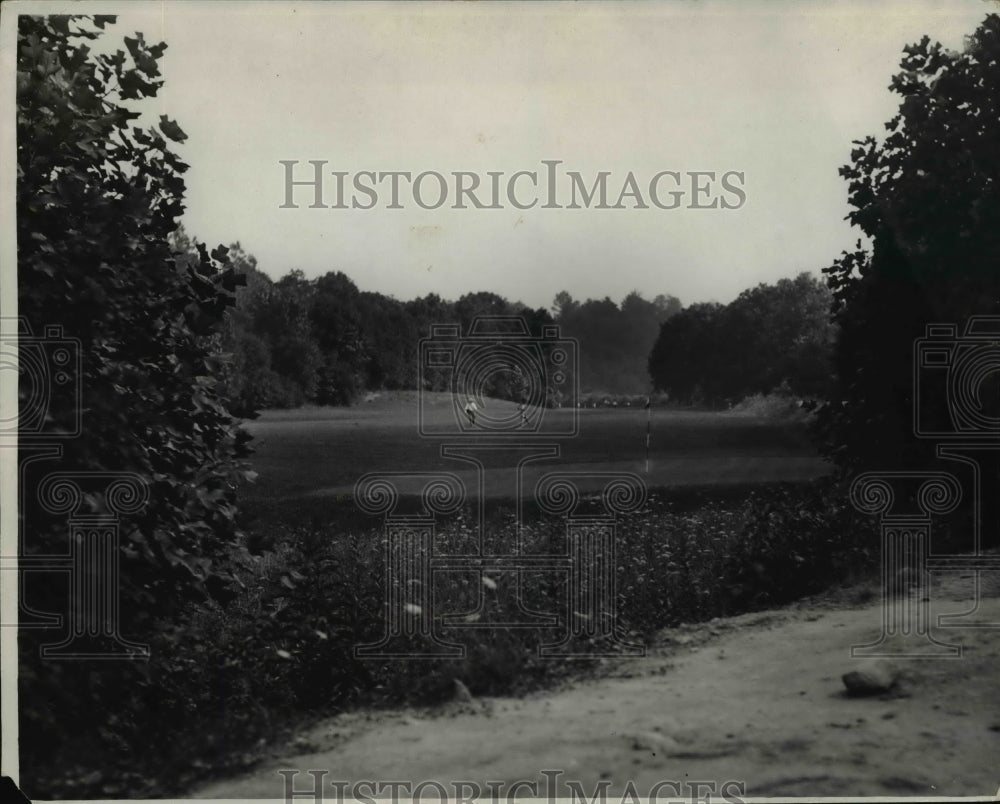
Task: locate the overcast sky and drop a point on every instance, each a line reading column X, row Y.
column 775, row 91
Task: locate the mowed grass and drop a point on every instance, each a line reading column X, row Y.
column 322, row 452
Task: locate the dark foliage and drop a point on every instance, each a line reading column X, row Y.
column 614, row 339
column 323, row 341
column 280, row 652
column 928, row 199
column 97, row 201
column 770, row 337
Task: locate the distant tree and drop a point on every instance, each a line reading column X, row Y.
column 534, row 318
column 614, row 340
column 638, row 330
column 769, row 337
column 667, row 305
column 425, row 312
column 780, row 334
column 279, row 316
column 563, row 305
column 336, row 321
column 928, row 200
column 248, row 382
column 251, row 381
column 390, row 335
column 475, row 305
column 682, row 359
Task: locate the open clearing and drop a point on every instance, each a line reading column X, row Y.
column 323, row 451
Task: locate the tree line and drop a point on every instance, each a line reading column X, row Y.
column 771, row 338
column 322, row 341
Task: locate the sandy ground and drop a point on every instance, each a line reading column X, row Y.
column 756, row 699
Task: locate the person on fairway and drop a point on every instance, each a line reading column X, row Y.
column 524, row 415
column 470, row 410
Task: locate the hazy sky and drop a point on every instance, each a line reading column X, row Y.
column 775, row 91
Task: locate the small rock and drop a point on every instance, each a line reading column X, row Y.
column 462, row 693
column 876, row 678
column 653, row 742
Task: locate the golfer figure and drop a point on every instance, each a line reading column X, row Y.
column 524, row 415
column 470, row 410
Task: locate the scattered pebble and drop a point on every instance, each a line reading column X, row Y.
column 874, row 679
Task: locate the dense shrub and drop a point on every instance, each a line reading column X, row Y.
column 249, row 669
column 97, row 201
column 926, row 197
column 780, row 405
column 772, row 547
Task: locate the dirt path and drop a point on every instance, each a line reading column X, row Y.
column 756, row 699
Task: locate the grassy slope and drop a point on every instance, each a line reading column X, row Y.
column 323, row 451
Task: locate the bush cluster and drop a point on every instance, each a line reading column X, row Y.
column 235, row 674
